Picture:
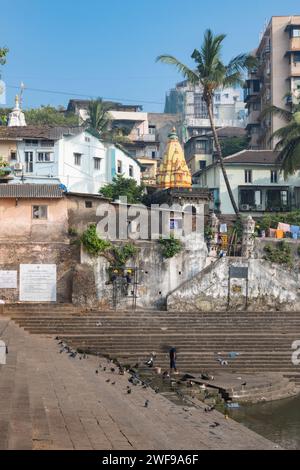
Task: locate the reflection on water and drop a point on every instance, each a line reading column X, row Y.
column 278, row 421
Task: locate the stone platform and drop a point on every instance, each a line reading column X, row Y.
column 49, row 400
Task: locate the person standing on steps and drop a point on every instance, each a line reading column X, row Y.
column 172, row 354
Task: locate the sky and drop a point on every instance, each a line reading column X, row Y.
column 100, row 48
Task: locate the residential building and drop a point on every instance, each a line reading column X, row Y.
column 70, row 156
column 149, row 171
column 199, row 150
column 187, row 100
column 145, row 135
column 275, row 81
column 33, row 212
column 257, row 184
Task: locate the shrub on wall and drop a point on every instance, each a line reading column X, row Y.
column 280, row 253
column 170, row 246
column 122, row 254
column 92, row 243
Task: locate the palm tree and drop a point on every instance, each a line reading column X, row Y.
column 288, row 137
column 3, row 53
column 99, row 117
column 211, row 74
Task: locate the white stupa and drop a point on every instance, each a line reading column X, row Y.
column 16, row 118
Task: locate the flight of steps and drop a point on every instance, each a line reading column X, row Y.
column 263, row 340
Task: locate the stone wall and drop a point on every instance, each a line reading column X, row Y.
column 64, row 255
column 157, row 277
column 270, row 287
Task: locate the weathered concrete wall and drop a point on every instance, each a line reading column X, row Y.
column 260, row 244
column 64, row 255
column 157, row 276
column 270, row 287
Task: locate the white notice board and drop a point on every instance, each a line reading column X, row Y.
column 8, row 279
column 38, row 282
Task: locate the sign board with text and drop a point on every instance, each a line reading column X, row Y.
column 38, row 282
column 8, row 279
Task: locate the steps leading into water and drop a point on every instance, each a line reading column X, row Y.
column 262, row 339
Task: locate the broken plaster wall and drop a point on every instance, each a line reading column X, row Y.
column 157, row 277
column 270, row 287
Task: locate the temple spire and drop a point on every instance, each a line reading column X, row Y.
column 16, row 118
column 174, row 172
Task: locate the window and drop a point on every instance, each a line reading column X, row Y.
column 87, row 139
column 44, row 157
column 200, row 109
column 119, row 166
column 202, row 164
column 256, row 86
column 131, row 171
column 217, row 97
column 296, row 33
column 40, row 212
column 47, row 143
column 13, row 155
column 153, row 154
column 28, row 162
column 88, row 204
column 77, row 159
column 201, row 146
column 226, row 95
column 97, row 163
column 31, row 142
column 152, row 130
column 274, row 176
column 296, row 57
column 250, row 197
column 248, row 176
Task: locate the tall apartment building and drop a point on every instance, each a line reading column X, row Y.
column 187, row 101
column 275, row 81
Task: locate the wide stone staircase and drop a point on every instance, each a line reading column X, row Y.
column 263, row 341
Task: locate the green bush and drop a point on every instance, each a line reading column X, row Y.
column 92, row 243
column 279, row 253
column 272, row 220
column 170, row 246
column 122, row 254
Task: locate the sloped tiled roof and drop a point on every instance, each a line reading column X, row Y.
column 37, row 132
column 31, row 191
column 260, row 157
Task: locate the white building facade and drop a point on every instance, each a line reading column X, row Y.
column 257, row 184
column 72, row 157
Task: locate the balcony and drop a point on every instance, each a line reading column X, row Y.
column 295, row 44
column 264, row 199
column 143, row 138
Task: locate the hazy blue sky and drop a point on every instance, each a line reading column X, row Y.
column 108, row 48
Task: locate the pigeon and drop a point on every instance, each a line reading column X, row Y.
column 96, row 371
column 112, row 369
column 121, row 371
column 57, row 338
column 104, row 368
column 99, row 323
column 209, row 408
column 129, row 390
column 113, row 383
column 108, row 380
column 244, row 384
column 214, row 425
column 146, row 404
column 156, row 390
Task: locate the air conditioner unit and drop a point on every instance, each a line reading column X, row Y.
column 259, row 208
column 245, row 207
column 18, row 166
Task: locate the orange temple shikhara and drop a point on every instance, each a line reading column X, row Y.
column 173, row 171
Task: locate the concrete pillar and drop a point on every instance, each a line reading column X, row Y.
column 248, row 237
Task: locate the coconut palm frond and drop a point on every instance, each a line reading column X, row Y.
column 233, row 80
column 188, row 73
column 275, row 110
column 290, row 157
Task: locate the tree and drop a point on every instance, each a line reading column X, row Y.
column 288, row 137
column 122, row 186
column 50, row 116
column 99, row 117
column 3, row 53
column 232, row 145
column 211, row 73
